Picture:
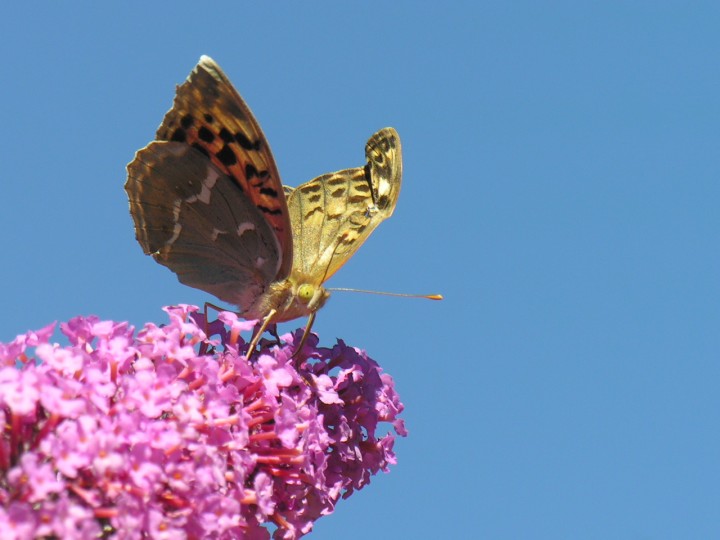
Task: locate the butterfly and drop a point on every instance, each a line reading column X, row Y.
column 208, row 203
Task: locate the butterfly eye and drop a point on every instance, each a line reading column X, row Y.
column 305, row 293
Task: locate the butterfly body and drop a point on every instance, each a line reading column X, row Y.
column 208, row 203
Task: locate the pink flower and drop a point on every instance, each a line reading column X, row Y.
column 142, row 435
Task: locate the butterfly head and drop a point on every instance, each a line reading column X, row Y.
column 312, row 296
column 290, row 298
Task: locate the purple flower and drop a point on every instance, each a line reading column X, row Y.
column 168, row 434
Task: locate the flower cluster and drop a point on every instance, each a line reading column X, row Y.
column 165, row 434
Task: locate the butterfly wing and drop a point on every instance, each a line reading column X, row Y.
column 384, row 170
column 206, row 196
column 209, row 115
column 192, row 218
column 334, row 214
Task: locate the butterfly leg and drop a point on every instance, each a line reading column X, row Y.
column 266, row 321
column 306, row 333
column 206, row 312
column 213, row 328
column 272, row 330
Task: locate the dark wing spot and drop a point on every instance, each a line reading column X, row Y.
column 206, row 135
column 338, row 193
column 383, row 144
column 178, row 135
column 226, row 156
column 336, row 181
column 362, row 188
column 187, row 121
column 208, row 118
column 261, row 176
column 250, row 171
column 269, row 191
column 246, row 143
column 314, row 198
column 267, row 210
column 226, row 136
column 311, row 188
column 313, row 211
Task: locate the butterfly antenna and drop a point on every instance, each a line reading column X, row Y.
column 345, row 289
column 383, row 293
column 327, row 268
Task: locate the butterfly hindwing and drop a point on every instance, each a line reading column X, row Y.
column 192, row 218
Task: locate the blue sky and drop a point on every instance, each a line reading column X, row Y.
column 561, row 189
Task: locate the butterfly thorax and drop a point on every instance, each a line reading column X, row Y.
column 291, row 298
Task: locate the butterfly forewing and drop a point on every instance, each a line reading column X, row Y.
column 334, row 214
column 191, row 217
column 384, row 169
column 209, row 115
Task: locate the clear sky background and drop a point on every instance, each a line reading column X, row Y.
column 561, row 189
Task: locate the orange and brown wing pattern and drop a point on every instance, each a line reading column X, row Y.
column 209, row 115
